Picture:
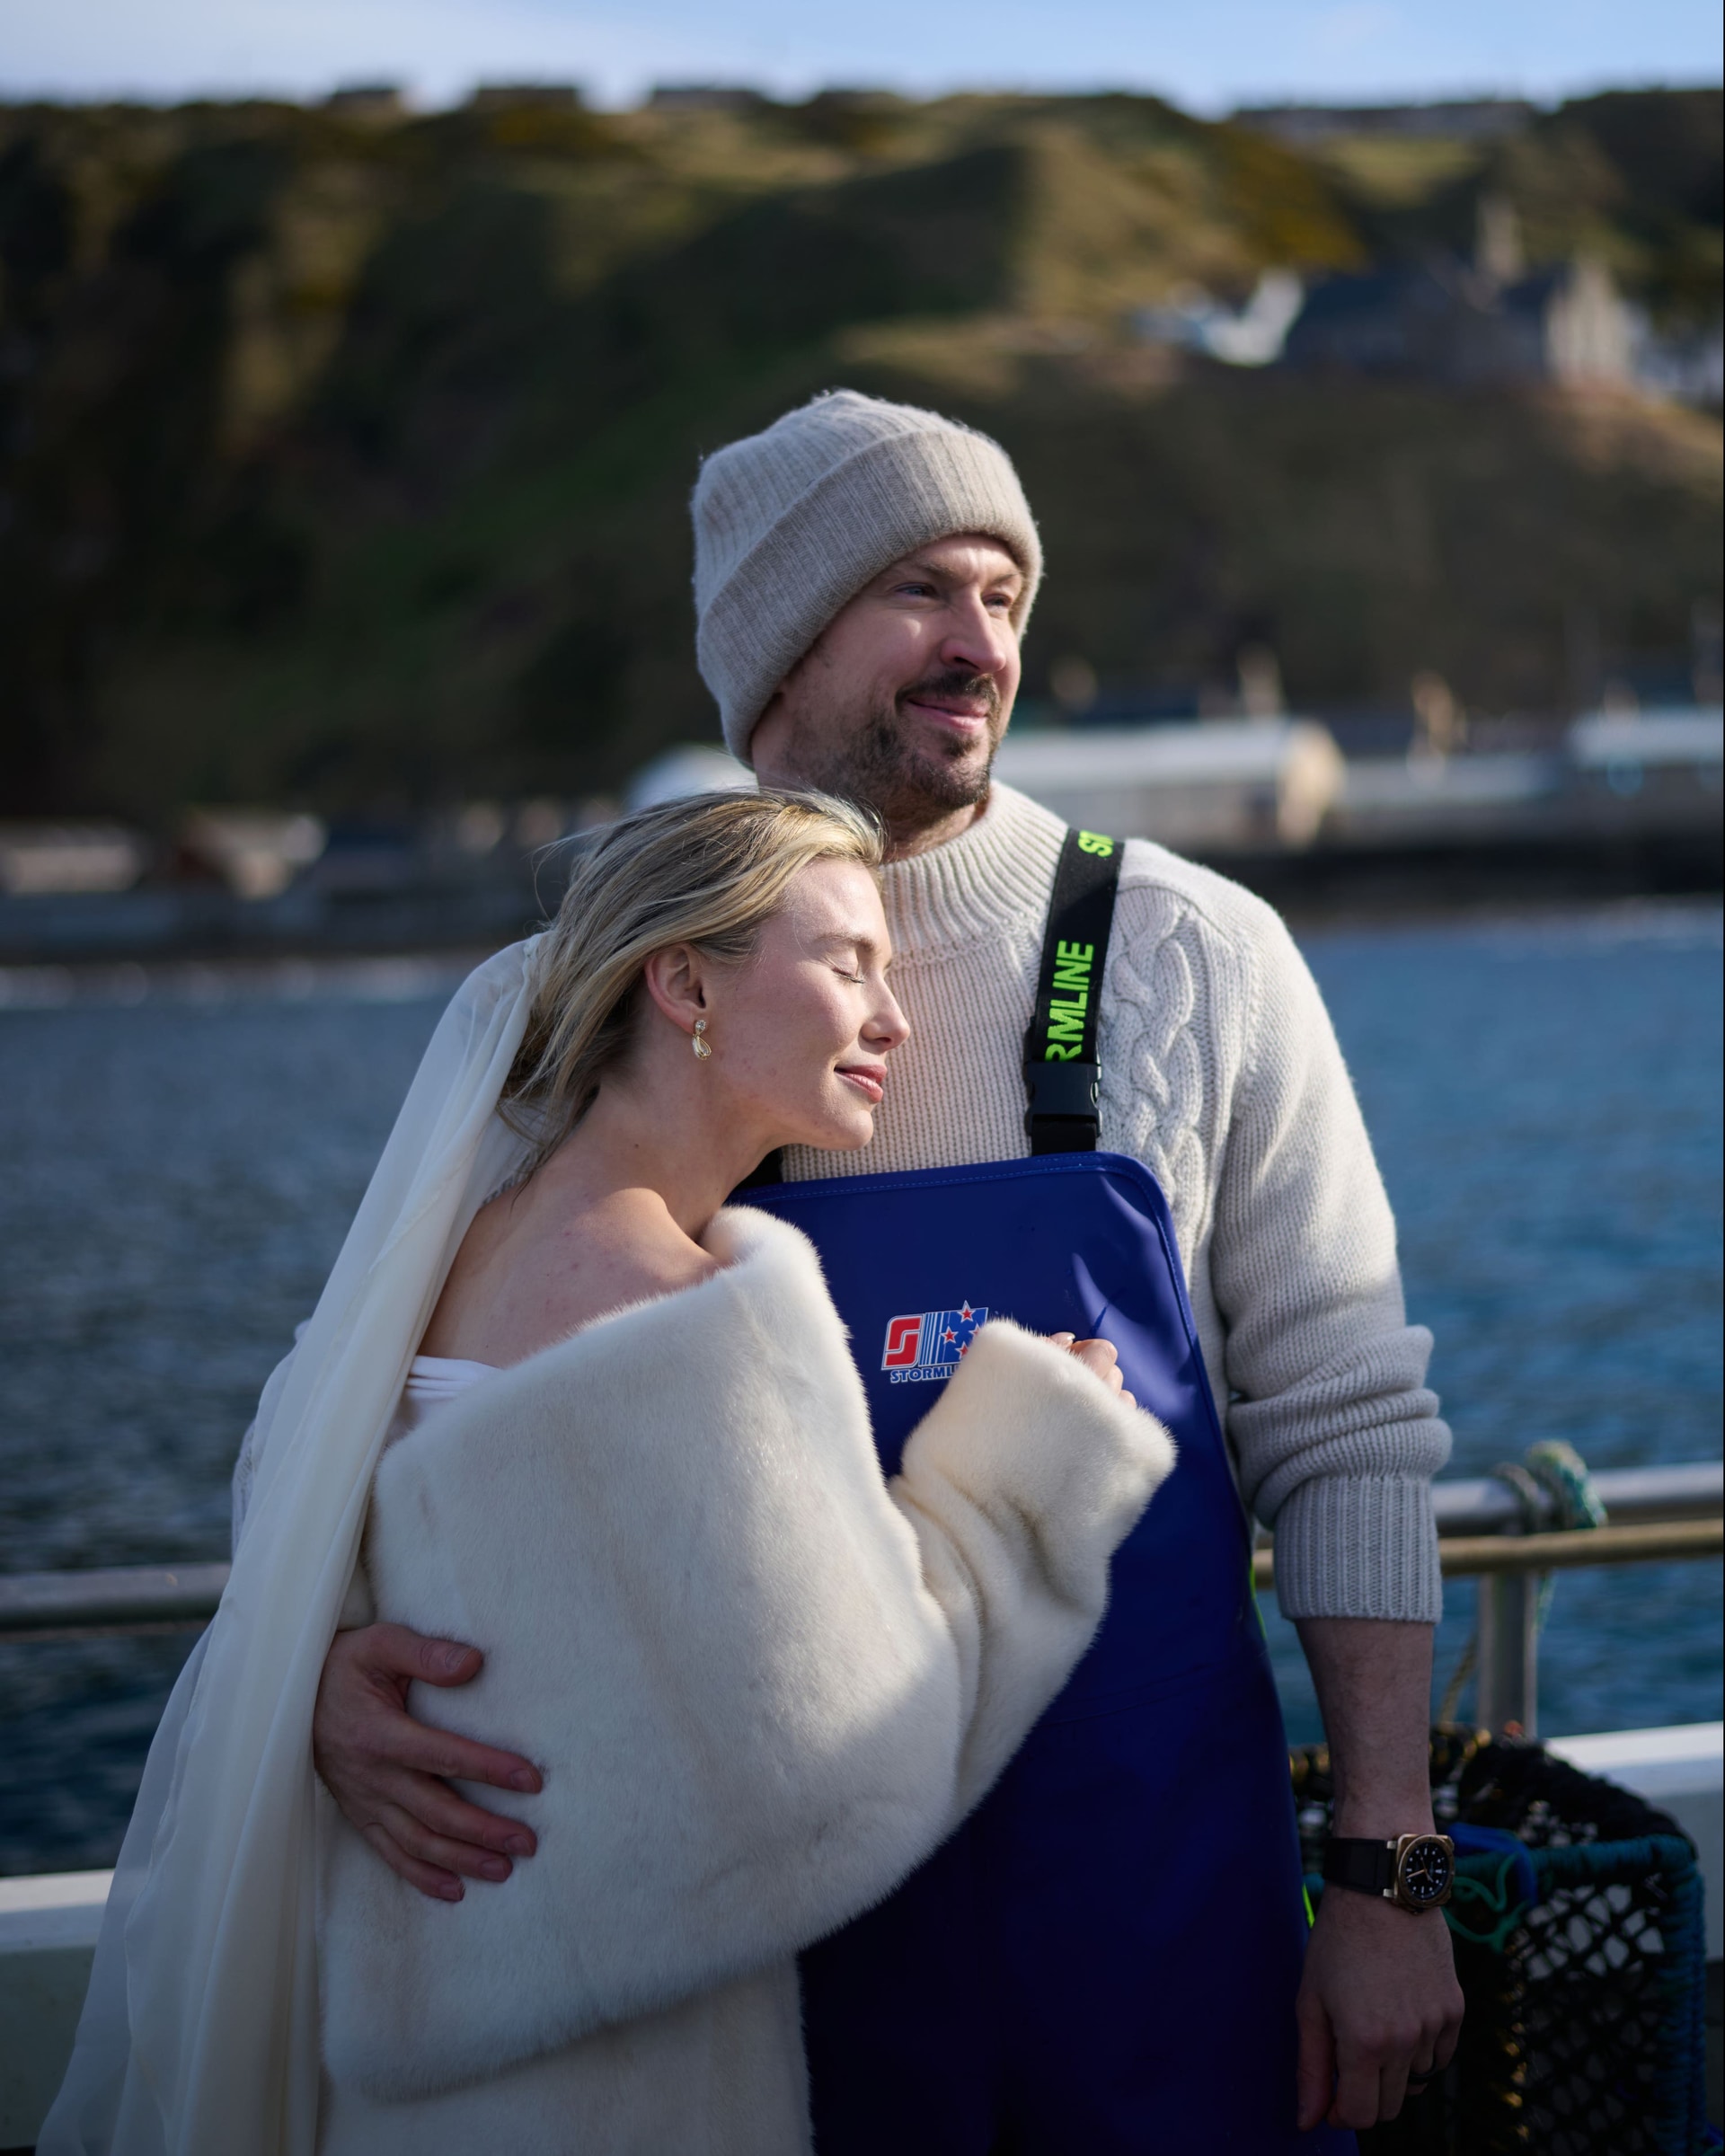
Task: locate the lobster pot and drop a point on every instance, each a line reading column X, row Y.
column 1576, row 1921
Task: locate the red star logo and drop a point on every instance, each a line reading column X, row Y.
column 950, row 1335
column 967, row 1313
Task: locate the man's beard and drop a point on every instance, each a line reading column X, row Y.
column 871, row 759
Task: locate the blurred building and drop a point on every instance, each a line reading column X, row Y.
column 1658, row 758
column 510, row 97
column 1449, row 321
column 1657, row 774
column 705, row 97
column 1253, row 334
column 379, row 105
column 1458, row 119
column 256, row 851
column 40, row 860
column 1685, row 362
column 683, row 771
column 1229, row 785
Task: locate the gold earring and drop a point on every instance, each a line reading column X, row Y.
column 697, row 1044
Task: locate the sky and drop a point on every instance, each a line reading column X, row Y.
column 1207, row 55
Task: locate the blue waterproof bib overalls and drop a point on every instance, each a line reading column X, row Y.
column 1103, row 1960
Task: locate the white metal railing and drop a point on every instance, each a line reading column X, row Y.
column 1507, row 1537
column 1487, row 1530
column 135, row 1598
column 1692, row 1490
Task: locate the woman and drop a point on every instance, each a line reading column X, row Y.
column 631, row 1462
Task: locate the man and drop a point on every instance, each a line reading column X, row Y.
column 863, row 574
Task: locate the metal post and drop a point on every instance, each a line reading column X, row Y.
column 1508, row 1666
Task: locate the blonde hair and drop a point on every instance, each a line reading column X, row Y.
column 710, row 871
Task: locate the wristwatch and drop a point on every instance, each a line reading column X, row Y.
column 1415, row 1871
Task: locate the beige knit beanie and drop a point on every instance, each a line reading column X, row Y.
column 790, row 525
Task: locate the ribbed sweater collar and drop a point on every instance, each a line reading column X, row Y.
column 999, row 872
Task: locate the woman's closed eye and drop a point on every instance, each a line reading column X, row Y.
column 849, row 963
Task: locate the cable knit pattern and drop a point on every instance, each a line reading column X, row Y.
column 1221, row 1072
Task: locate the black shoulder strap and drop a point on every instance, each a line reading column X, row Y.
column 1061, row 1070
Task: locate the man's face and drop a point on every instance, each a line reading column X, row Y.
column 902, row 701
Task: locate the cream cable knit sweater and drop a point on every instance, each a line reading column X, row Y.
column 1221, row 1073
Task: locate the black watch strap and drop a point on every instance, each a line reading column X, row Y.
column 1368, row 1867
column 1415, row 1871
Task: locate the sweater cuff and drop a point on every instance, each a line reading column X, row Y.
column 1359, row 1546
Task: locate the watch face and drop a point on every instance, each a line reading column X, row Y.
column 1426, row 1872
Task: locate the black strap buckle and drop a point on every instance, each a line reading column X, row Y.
column 1062, row 1115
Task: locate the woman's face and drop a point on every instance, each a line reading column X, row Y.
column 801, row 1033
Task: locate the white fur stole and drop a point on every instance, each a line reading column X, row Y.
column 761, row 1683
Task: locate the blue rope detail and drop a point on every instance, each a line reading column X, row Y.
column 1562, row 1473
column 1470, row 1886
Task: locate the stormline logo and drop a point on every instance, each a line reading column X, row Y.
column 927, row 1348
column 1069, row 991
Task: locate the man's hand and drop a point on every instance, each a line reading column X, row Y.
column 1378, row 2003
column 391, row 1775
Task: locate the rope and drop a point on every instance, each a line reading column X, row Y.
column 1562, row 1471
column 1552, row 1475
column 1496, row 1897
column 1558, row 1472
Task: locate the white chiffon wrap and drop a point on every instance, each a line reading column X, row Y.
column 200, row 2033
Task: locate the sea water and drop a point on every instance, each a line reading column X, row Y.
column 180, row 1156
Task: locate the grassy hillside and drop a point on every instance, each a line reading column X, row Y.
column 1633, row 177
column 348, row 465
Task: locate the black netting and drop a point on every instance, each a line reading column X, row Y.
column 1580, row 1949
